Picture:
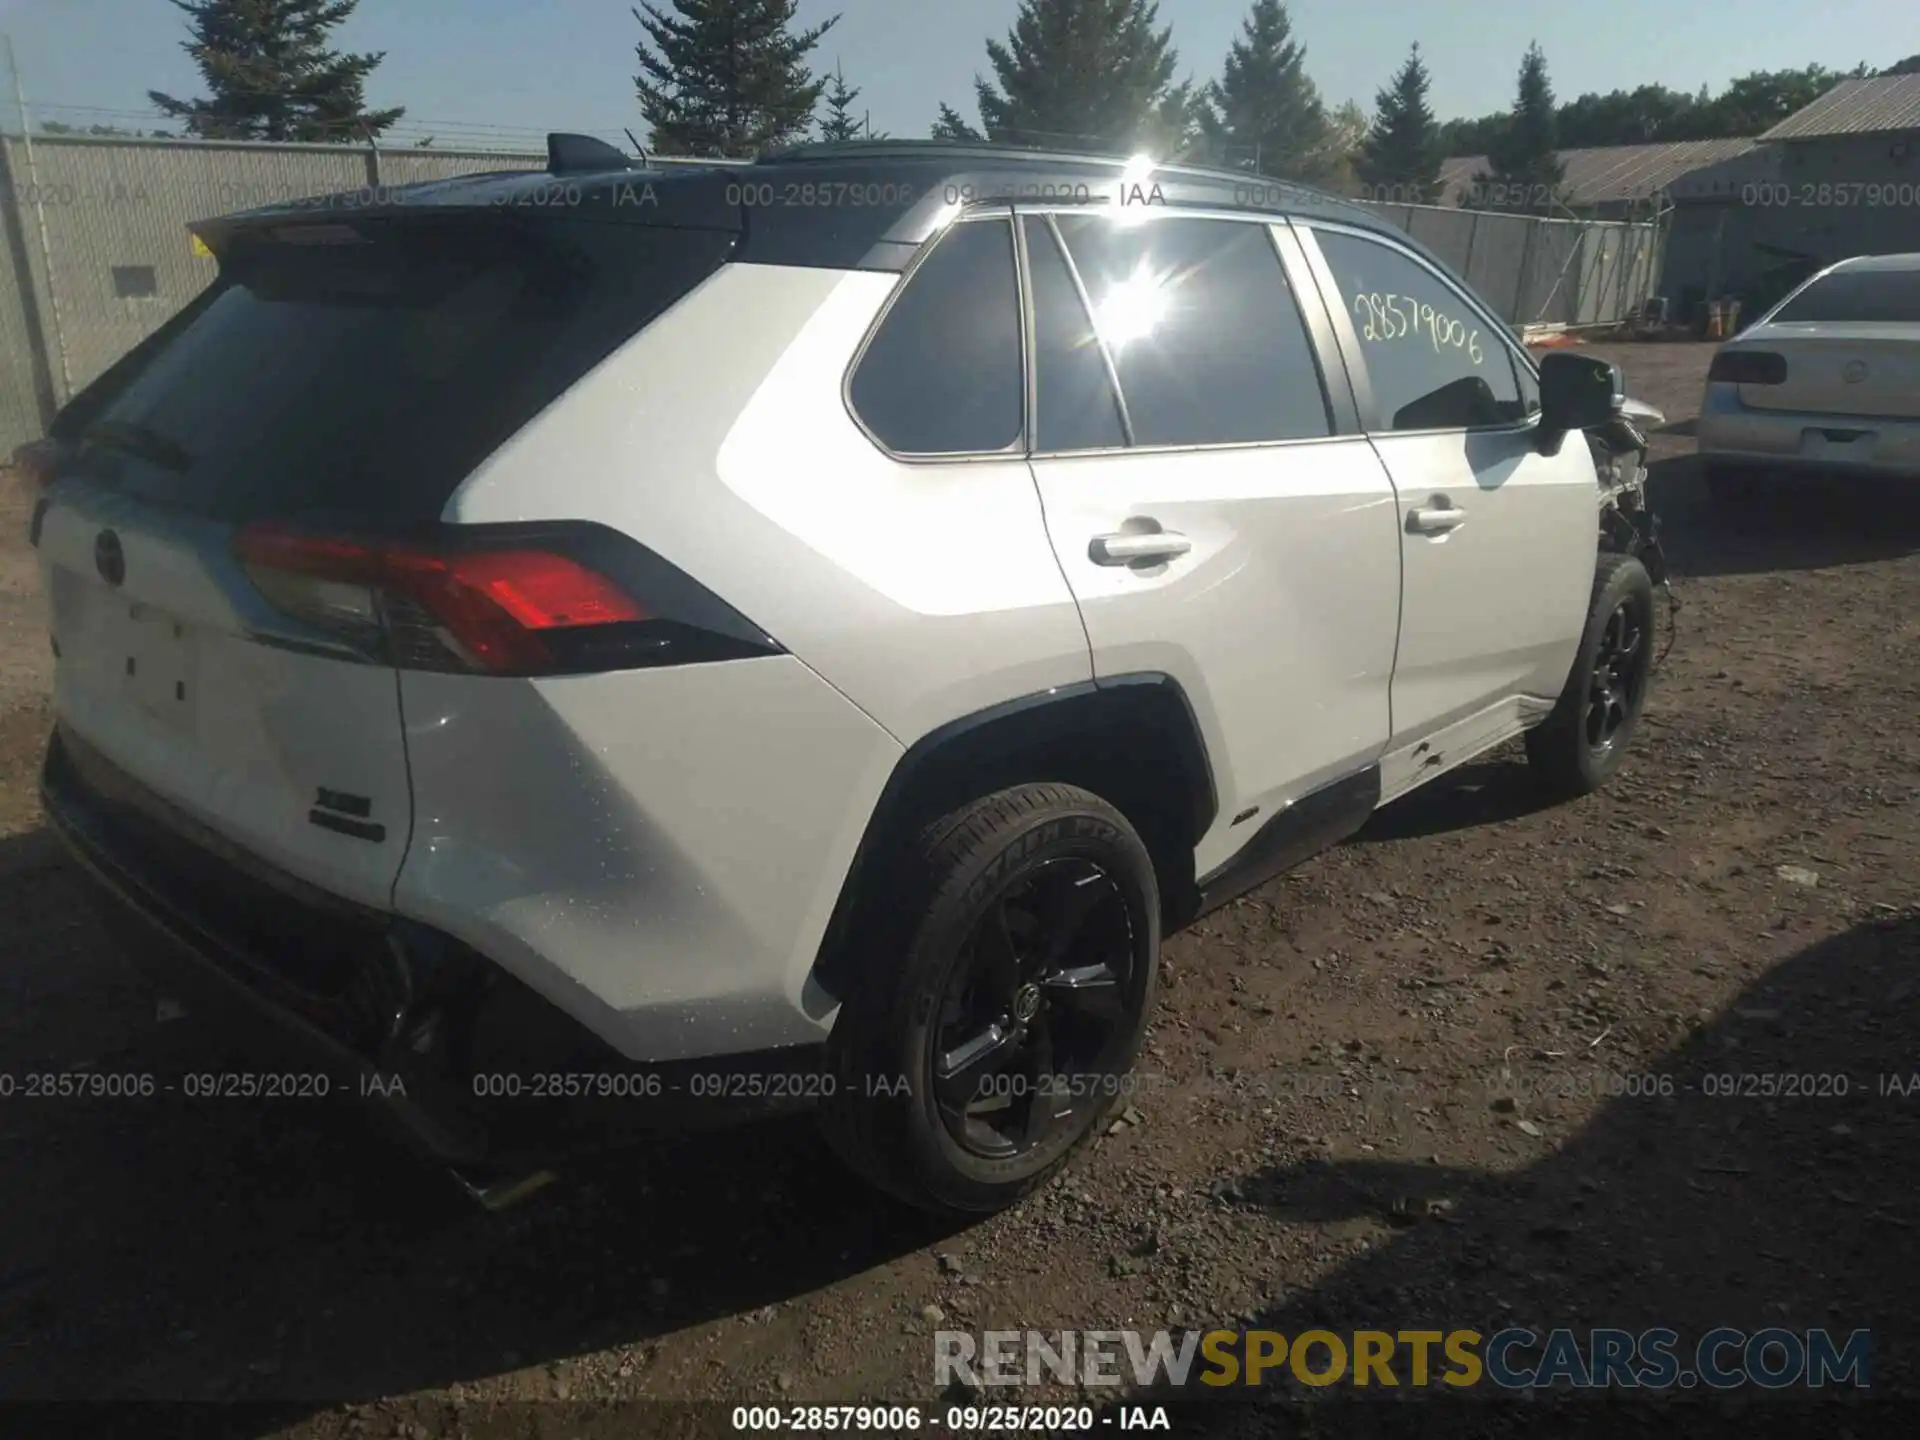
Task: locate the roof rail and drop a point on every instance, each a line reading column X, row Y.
column 582, row 154
column 980, row 150
column 925, row 149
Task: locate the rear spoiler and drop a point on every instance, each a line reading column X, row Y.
column 583, row 155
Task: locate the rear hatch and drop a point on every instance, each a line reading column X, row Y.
column 1851, row 340
column 341, row 378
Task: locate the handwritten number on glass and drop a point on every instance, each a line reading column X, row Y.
column 1396, row 317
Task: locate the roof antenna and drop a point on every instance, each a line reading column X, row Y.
column 639, row 149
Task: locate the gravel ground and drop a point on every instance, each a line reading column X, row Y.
column 1401, row 1086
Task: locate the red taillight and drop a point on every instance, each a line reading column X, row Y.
column 539, row 591
column 1748, row 367
column 494, row 609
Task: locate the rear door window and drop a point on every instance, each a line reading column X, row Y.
column 1075, row 407
column 943, row 375
column 372, row 373
column 1205, row 333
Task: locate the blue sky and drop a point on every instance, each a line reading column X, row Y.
column 516, row 68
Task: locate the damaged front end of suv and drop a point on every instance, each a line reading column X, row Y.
column 1628, row 524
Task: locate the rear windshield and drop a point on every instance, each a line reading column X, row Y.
column 1853, row 296
column 372, row 375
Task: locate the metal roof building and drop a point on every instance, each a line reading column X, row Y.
column 1876, row 106
column 1611, row 178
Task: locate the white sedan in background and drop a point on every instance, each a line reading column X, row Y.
column 1828, row 381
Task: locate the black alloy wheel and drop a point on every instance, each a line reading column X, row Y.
column 1033, row 1026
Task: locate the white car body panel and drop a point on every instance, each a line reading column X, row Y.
column 921, row 591
column 1492, row 605
column 167, row 676
column 743, row 468
column 1528, row 532
column 656, row 851
column 1279, row 623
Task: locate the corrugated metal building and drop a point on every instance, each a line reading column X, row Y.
column 1752, row 217
column 1840, row 177
column 1612, row 182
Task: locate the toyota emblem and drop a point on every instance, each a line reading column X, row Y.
column 109, row 558
column 1855, row 372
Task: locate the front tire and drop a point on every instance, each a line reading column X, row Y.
column 971, row 1063
column 1582, row 742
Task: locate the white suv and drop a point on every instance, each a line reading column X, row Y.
column 602, row 648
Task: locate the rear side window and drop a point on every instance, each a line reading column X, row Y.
column 1434, row 363
column 1851, row 297
column 371, row 375
column 1204, row 330
column 942, row 375
column 1074, row 404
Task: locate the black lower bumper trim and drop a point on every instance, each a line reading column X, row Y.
column 477, row 1069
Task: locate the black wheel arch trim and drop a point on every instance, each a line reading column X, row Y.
column 1005, row 744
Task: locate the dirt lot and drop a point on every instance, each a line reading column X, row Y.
column 1399, row 1087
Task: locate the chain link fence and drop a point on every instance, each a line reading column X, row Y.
column 97, row 253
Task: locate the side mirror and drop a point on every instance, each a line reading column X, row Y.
column 1578, row 392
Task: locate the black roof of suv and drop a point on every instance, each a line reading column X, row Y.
column 853, row 205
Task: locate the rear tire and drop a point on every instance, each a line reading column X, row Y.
column 1582, row 742
column 941, row 1092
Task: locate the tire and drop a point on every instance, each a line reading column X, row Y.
column 1023, row 859
column 1563, row 749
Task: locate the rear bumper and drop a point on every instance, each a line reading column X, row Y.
column 468, row 1064
column 1793, row 441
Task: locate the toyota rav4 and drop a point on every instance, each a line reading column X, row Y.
column 611, row 647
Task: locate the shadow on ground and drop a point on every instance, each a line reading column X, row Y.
column 164, row 1248
column 1807, row 523
column 1689, row 1211
column 1481, row 792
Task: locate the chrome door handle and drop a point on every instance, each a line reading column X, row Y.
column 1130, row 547
column 1435, row 520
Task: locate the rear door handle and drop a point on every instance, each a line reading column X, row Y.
column 1130, row 547
column 1435, row 519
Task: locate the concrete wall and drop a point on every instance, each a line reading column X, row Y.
column 95, row 253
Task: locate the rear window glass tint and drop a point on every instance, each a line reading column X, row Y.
column 942, row 375
column 373, row 377
column 1854, row 296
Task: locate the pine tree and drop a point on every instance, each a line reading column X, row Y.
column 271, row 74
column 1347, row 130
column 1177, row 130
column 952, row 126
column 841, row 123
column 729, row 77
column 1400, row 160
column 1525, row 171
column 1267, row 115
column 1079, row 74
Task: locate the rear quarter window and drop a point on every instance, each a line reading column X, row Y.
column 942, row 375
